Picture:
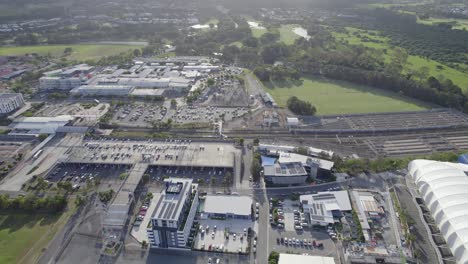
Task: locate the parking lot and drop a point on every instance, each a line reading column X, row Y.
column 190, row 114
column 224, row 235
column 139, row 114
column 144, row 115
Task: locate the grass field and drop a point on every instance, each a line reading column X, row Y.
column 23, row 236
column 287, row 36
column 80, row 51
column 334, row 97
column 373, row 40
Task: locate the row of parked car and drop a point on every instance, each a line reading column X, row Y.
column 299, row 242
column 142, row 212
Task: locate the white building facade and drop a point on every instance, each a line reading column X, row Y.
column 10, row 102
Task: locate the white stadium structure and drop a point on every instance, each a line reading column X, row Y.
column 444, row 188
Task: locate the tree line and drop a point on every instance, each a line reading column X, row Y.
column 33, row 203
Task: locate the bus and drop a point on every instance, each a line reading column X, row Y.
column 38, row 153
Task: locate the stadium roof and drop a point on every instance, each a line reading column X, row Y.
column 444, row 188
column 304, row 259
column 228, row 204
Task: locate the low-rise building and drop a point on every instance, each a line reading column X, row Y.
column 9, row 102
column 324, row 208
column 227, row 206
column 174, row 214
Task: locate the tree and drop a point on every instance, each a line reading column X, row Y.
column 302, row 151
column 66, row 186
column 210, row 82
column 256, row 141
column 123, row 176
column 173, row 103
column 41, row 184
column 137, row 52
column 42, row 137
column 273, row 258
column 228, row 178
column 67, row 50
column 145, row 178
column 300, row 107
column 256, row 168
column 80, row 200
column 149, row 196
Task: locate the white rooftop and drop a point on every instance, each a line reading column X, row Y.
column 40, row 125
column 304, row 259
column 228, row 204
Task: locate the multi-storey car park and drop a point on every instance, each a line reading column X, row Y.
column 139, row 157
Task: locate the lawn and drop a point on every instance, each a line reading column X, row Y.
column 287, row 36
column 80, row 51
column 23, row 236
column 258, row 32
column 335, row 97
column 372, row 39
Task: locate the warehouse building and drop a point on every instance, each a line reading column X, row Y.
column 325, row 208
column 444, row 188
column 227, row 206
column 9, row 102
column 174, row 214
column 304, row 259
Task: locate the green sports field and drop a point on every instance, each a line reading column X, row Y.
column 335, row 97
column 79, row 51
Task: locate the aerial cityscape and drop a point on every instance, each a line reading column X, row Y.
column 257, row 132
